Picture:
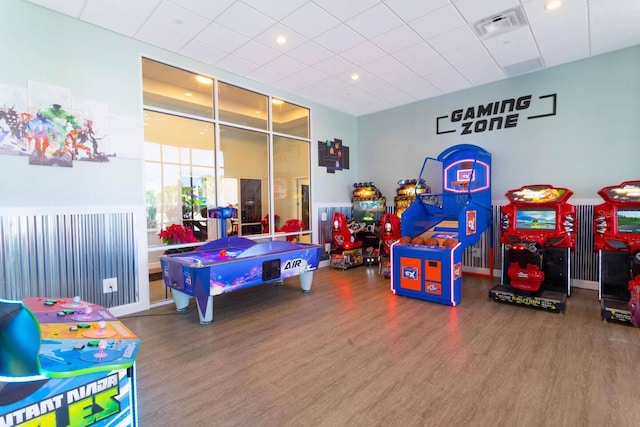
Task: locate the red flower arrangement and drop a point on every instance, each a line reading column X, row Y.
column 176, row 234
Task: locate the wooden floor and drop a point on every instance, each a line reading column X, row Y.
column 350, row 353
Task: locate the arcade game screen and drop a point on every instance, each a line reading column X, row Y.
column 628, row 221
column 368, row 210
column 536, row 219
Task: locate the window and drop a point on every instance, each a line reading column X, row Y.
column 258, row 165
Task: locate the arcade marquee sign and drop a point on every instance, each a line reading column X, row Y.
column 496, row 115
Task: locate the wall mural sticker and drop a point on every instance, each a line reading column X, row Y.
column 54, row 129
column 333, row 155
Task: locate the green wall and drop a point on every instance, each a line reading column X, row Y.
column 591, row 142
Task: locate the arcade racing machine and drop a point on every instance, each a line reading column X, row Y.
column 537, row 236
column 406, row 194
column 356, row 242
column 426, row 263
column 616, row 238
column 389, row 234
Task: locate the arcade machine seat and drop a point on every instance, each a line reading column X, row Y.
column 347, row 247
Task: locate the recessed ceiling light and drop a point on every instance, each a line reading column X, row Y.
column 204, row 80
column 281, row 39
column 354, row 77
column 188, row 94
column 552, row 4
column 275, row 101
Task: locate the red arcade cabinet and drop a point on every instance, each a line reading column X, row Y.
column 389, row 234
column 537, row 236
column 616, row 238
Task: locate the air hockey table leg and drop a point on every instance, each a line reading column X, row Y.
column 205, row 309
column 180, row 299
column 306, row 279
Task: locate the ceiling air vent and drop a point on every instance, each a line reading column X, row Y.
column 500, row 23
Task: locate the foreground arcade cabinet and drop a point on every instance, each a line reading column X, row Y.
column 426, row 263
column 616, row 230
column 406, row 194
column 537, row 237
column 65, row 362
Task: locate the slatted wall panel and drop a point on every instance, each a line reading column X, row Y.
column 67, row 255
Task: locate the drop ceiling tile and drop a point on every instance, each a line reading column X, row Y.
column 419, row 88
column 512, row 47
column 265, row 75
column 471, row 53
column 244, row 20
column 431, row 66
column 202, row 52
column 339, row 38
column 480, row 71
column 161, row 37
column 562, row 23
column 606, row 11
column 286, row 65
column 399, row 76
column 310, row 75
column 140, row 8
column 334, row 85
column 236, row 65
column 207, row 9
column 396, row 39
column 177, row 19
column 268, row 38
column 536, row 12
column 255, row 52
column 409, row 10
column 274, row 9
column 363, row 53
column 221, row 37
column 382, row 66
column 334, row 66
column 70, row 7
column 453, row 40
column 437, row 22
column 290, row 84
column 112, row 19
column 313, row 91
column 614, row 43
column 310, row 53
column 615, row 27
column 344, row 10
column 565, row 54
column 564, row 41
column 474, row 10
column 416, row 53
column 449, row 81
column 375, row 21
column 310, row 20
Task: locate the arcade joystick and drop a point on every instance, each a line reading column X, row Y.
column 101, row 327
column 101, row 354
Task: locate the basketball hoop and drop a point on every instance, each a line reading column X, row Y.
column 461, row 192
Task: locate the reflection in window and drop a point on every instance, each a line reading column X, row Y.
column 245, row 155
column 290, row 119
column 179, row 173
column 242, row 107
column 176, row 90
column 290, row 185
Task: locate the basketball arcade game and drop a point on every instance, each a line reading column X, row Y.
column 537, row 237
column 426, row 263
column 616, row 238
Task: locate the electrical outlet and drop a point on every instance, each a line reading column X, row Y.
column 110, row 285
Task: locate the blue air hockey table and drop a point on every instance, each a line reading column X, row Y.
column 232, row 263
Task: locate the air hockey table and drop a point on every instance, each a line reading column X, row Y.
column 232, row 263
column 65, row 362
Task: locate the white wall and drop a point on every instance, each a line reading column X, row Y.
column 590, row 143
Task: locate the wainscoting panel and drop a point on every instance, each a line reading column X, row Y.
column 64, row 255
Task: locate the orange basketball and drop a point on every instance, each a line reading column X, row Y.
column 417, row 241
column 405, row 240
column 431, row 242
column 449, row 242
